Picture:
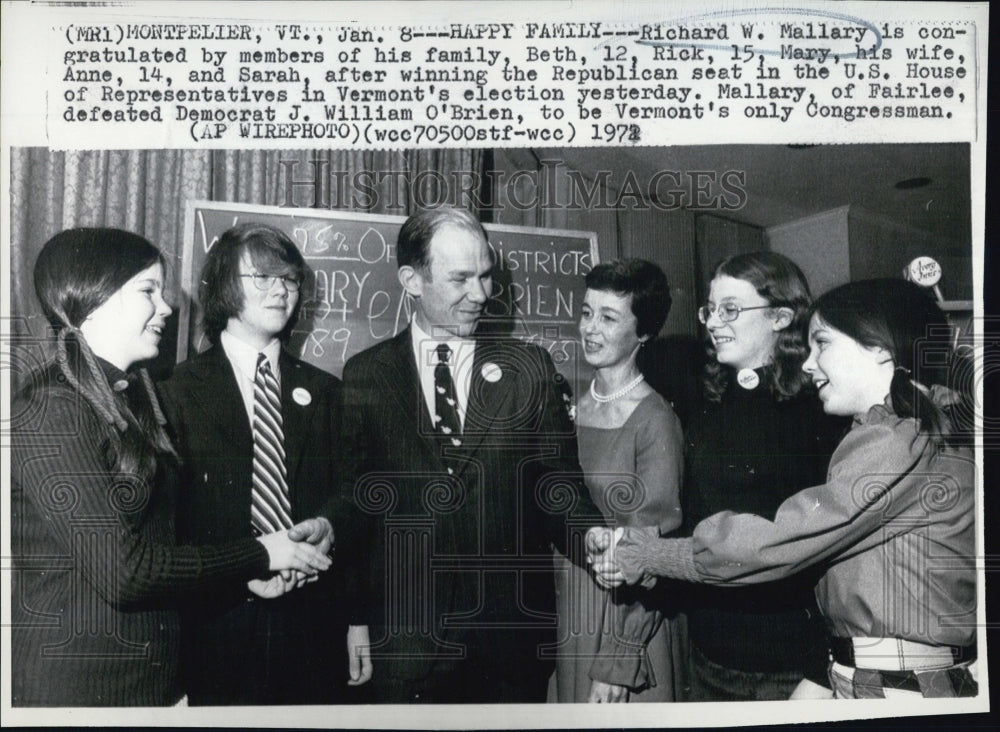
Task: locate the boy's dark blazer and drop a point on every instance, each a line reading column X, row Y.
column 212, row 434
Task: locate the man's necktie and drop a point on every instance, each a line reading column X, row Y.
column 445, row 402
column 270, row 510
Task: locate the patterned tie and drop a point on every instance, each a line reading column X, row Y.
column 445, row 403
column 270, row 510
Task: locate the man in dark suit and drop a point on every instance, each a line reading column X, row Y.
column 258, row 431
column 461, row 447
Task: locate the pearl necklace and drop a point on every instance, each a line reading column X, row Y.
column 601, row 399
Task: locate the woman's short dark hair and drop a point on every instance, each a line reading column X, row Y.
column 778, row 280
column 902, row 318
column 413, row 242
column 645, row 282
column 220, row 291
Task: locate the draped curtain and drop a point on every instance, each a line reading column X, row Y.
column 529, row 190
column 373, row 181
column 141, row 191
column 145, row 191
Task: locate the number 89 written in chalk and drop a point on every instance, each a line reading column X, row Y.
column 314, row 344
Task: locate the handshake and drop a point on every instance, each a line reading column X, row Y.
column 611, row 554
column 296, row 556
column 601, row 542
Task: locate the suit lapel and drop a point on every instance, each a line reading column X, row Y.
column 490, row 391
column 220, row 402
column 295, row 417
column 406, row 396
column 218, row 397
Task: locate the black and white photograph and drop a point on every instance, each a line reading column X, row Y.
column 491, row 398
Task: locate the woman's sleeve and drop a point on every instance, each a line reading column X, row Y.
column 869, row 484
column 557, row 437
column 630, row 622
column 95, row 517
column 631, row 619
column 659, row 472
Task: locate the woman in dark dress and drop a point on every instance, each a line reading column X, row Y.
column 96, row 568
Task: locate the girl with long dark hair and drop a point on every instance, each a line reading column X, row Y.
column 96, row 567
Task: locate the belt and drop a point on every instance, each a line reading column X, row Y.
column 897, row 654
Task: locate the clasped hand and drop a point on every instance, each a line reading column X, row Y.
column 612, row 555
column 296, row 555
column 600, row 543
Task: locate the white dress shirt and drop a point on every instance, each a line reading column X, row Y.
column 243, row 358
column 460, row 362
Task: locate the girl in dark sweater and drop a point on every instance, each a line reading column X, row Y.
column 96, row 567
column 758, row 436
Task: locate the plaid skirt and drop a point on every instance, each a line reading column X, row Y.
column 863, row 683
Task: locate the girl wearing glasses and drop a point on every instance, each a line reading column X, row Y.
column 891, row 529
column 98, row 573
column 757, row 438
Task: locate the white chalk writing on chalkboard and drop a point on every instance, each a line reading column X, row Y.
column 352, row 299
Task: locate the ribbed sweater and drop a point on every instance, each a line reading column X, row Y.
column 747, row 454
column 96, row 568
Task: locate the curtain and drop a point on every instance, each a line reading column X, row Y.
column 141, row 191
column 533, row 190
column 138, row 190
column 371, row 181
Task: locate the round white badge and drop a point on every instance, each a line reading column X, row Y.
column 301, row 396
column 924, row 271
column 491, row 372
column 747, row 378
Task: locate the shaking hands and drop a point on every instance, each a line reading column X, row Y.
column 601, row 542
column 616, row 556
column 297, row 555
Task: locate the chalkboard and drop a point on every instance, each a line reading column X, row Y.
column 351, row 298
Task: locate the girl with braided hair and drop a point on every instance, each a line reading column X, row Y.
column 97, row 572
